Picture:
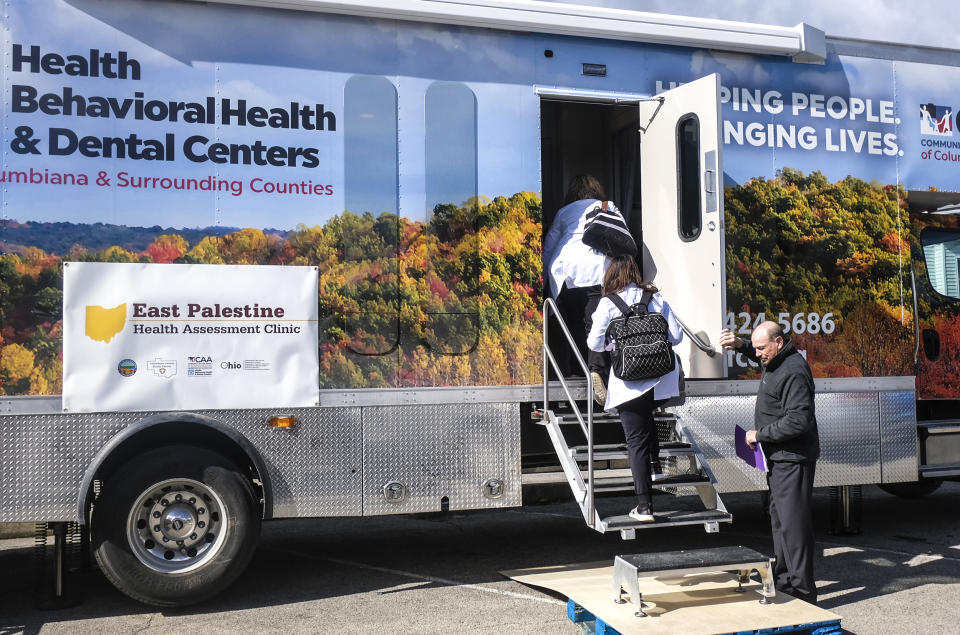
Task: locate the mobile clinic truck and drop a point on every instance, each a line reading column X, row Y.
column 390, row 168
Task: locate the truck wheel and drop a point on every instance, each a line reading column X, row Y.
column 175, row 525
column 917, row 489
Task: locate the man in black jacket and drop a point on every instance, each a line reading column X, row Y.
column 786, row 426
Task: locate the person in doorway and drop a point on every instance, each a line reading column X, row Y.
column 786, row 428
column 636, row 400
column 575, row 271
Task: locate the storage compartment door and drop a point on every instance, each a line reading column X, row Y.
column 682, row 214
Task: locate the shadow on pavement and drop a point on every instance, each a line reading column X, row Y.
column 905, row 544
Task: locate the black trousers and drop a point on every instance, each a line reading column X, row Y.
column 643, row 446
column 597, row 361
column 791, row 519
column 576, row 308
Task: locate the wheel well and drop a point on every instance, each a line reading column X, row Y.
column 197, row 433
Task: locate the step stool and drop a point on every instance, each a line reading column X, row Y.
column 629, row 568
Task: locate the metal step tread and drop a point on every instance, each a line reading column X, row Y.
column 668, row 518
column 568, row 419
column 931, row 471
column 619, row 451
column 938, row 422
column 942, row 426
column 711, row 557
column 617, row 484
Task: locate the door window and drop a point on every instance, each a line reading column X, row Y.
column 688, row 171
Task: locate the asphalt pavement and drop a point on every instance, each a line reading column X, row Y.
column 440, row 573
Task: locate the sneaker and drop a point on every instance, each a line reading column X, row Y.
column 599, row 389
column 642, row 513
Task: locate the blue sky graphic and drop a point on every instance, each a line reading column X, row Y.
column 191, row 51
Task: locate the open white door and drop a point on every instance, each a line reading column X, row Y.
column 682, row 213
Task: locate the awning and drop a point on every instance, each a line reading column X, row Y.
column 802, row 42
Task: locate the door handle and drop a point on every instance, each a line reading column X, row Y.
column 711, row 158
column 710, row 180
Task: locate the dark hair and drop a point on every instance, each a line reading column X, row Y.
column 584, row 186
column 621, row 272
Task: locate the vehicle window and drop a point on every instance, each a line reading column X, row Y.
column 941, row 252
column 368, row 231
column 449, row 300
column 688, row 175
column 450, row 115
column 370, row 145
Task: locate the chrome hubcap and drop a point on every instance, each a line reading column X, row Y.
column 177, row 522
column 177, row 525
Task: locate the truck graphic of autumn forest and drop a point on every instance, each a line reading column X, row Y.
column 456, row 300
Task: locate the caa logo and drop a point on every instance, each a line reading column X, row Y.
column 935, row 120
column 200, row 359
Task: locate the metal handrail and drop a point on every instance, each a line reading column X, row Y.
column 549, row 306
column 699, row 343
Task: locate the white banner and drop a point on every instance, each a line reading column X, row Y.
column 174, row 337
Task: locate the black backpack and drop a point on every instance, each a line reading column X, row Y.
column 641, row 346
column 606, row 231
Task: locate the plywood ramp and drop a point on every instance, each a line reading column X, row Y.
column 703, row 603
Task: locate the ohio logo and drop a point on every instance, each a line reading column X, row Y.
column 935, row 120
column 102, row 324
column 127, row 367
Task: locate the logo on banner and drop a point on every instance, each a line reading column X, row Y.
column 102, row 324
column 189, row 337
column 127, row 367
column 935, row 120
column 199, row 366
column 165, row 368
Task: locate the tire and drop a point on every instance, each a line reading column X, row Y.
column 917, row 489
column 195, row 499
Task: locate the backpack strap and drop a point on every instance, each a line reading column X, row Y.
column 619, row 303
column 593, row 213
column 645, row 299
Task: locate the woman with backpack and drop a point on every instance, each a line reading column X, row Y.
column 636, row 399
column 574, row 269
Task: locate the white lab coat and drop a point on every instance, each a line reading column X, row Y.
column 618, row 390
column 568, row 260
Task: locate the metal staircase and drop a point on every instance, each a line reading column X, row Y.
column 687, row 474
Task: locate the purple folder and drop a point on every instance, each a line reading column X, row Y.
column 754, row 458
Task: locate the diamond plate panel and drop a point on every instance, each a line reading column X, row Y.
column 315, row 467
column 43, row 458
column 848, row 424
column 711, row 421
column 439, row 451
column 899, row 447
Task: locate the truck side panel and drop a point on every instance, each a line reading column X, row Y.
column 864, row 437
column 335, row 461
